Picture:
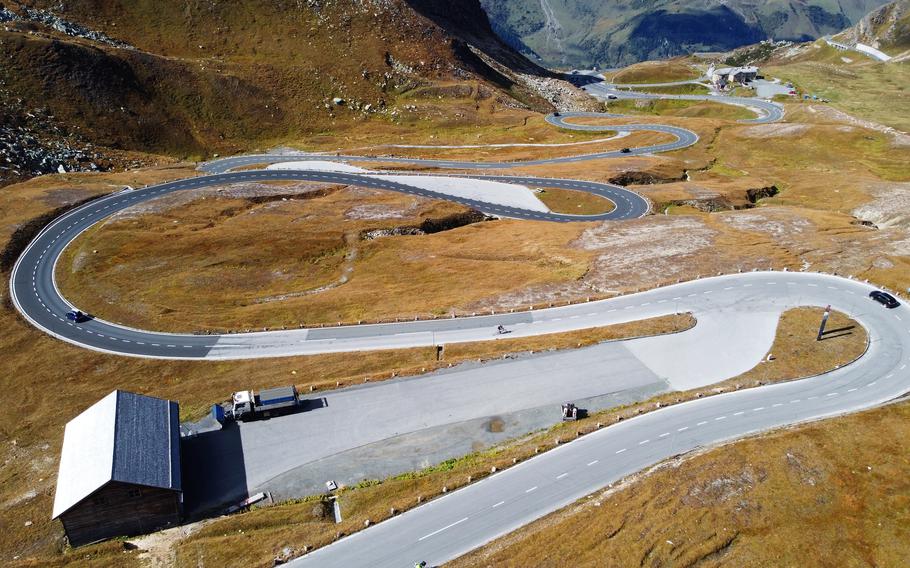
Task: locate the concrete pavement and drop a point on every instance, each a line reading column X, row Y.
column 463, row 520
column 340, row 421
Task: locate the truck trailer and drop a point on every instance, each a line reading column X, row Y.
column 249, row 405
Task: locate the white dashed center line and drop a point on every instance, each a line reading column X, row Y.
column 442, row 529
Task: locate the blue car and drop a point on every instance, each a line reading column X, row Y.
column 76, row 316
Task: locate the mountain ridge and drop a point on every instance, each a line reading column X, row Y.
column 190, row 79
column 614, row 33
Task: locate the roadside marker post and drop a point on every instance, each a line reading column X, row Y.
column 821, row 328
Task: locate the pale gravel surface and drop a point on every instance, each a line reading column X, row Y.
column 656, row 248
column 899, row 138
column 889, row 209
column 775, row 130
column 380, row 212
column 682, row 362
column 783, row 225
column 629, row 254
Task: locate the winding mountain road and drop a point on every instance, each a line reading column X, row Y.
column 462, row 520
column 35, row 294
column 465, row 519
column 767, row 111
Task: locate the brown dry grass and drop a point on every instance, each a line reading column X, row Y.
column 266, row 257
column 825, row 172
column 196, row 69
column 665, row 71
column 797, row 353
column 76, row 378
column 524, row 153
column 304, row 524
column 864, row 88
column 574, row 202
column 689, row 109
column 24, row 201
column 834, row 492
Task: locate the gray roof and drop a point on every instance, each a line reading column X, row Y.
column 735, row 70
column 124, row 437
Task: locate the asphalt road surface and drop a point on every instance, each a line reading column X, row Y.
column 463, row 520
column 597, row 86
column 767, row 111
column 683, row 139
column 35, row 294
column 460, row 521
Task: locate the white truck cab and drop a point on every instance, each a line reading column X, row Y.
column 242, row 403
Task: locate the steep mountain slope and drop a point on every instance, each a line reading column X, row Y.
column 887, row 28
column 612, row 32
column 194, row 78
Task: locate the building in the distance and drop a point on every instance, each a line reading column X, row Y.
column 726, row 76
column 120, row 469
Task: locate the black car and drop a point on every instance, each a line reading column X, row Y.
column 612, row 97
column 76, row 316
column 625, row 150
column 556, row 113
column 884, row 299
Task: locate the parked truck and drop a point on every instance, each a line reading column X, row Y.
column 249, row 405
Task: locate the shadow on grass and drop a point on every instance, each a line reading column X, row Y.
column 839, row 332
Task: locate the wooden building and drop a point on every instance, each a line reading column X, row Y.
column 120, row 469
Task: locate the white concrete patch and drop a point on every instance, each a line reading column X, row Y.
column 318, row 166
column 716, row 349
column 507, row 194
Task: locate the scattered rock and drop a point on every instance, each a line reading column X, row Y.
column 70, row 28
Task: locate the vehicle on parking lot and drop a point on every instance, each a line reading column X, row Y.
column 625, row 150
column 884, row 299
column 267, row 403
column 76, row 316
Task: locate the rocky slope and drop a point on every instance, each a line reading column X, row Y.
column 191, row 79
column 887, row 28
column 582, row 33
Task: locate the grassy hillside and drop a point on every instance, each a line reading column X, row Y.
column 887, row 28
column 860, row 86
column 679, row 69
column 225, row 76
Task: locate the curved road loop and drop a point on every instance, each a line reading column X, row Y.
column 35, row 294
column 768, row 111
column 463, row 520
column 460, row 521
